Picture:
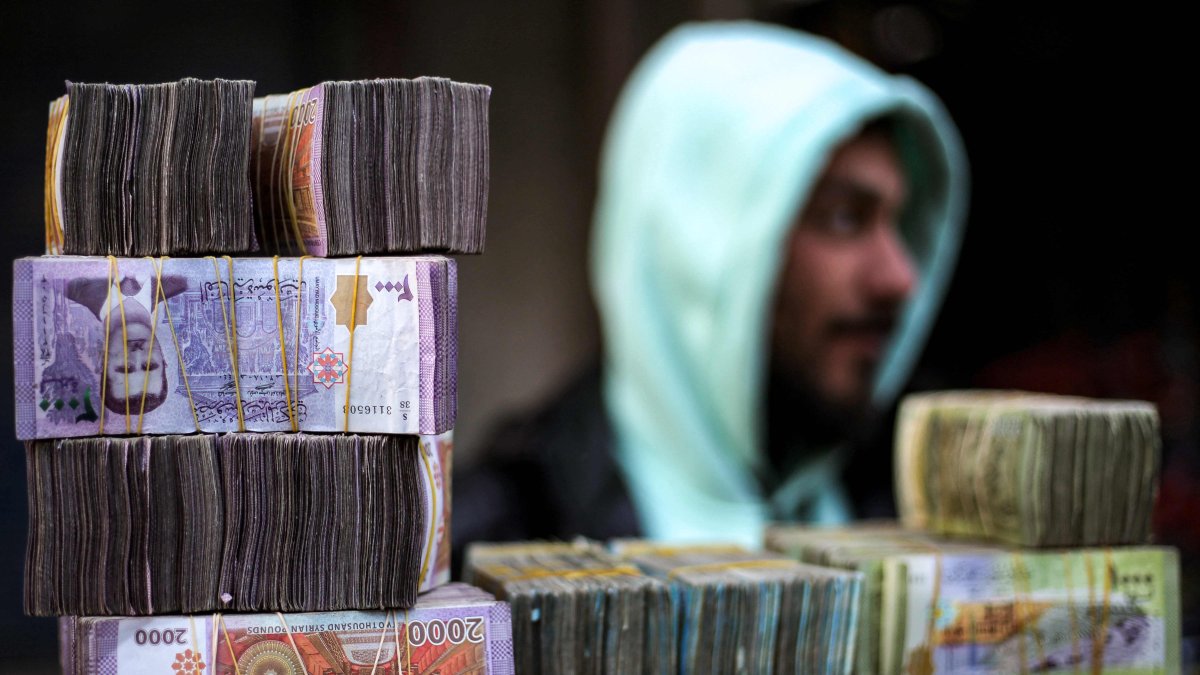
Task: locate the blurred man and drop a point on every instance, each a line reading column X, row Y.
column 775, row 226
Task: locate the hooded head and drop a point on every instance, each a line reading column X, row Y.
column 713, row 155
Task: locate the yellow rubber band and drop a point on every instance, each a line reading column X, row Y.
column 434, row 519
column 291, row 638
column 1101, row 633
column 350, row 351
column 299, row 336
column 287, row 391
column 229, row 643
column 1076, row 651
column 732, row 565
column 931, row 630
column 150, row 349
column 104, row 356
column 124, row 336
column 55, row 235
column 196, row 649
column 619, row 570
column 230, row 336
column 292, row 142
column 175, row 339
column 277, row 166
column 407, row 646
column 667, row 550
column 237, row 371
column 382, row 636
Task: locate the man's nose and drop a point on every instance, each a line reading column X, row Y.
column 890, row 274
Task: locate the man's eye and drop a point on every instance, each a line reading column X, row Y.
column 843, row 221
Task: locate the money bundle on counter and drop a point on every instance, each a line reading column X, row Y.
column 258, row 522
column 453, row 629
column 577, row 609
column 862, row 548
column 169, row 404
column 177, row 345
column 150, row 169
column 744, row 612
column 933, row 606
column 372, row 166
column 1028, row 469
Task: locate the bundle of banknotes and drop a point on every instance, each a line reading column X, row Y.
column 236, row 522
column 452, row 629
column 341, row 168
column 648, row 608
column 933, row 606
column 747, row 612
column 577, row 609
column 150, row 169
column 1028, row 469
column 169, row 405
column 372, row 166
column 179, row 345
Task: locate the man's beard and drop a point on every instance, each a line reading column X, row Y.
column 799, row 418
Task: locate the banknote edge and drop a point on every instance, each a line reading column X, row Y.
column 25, row 422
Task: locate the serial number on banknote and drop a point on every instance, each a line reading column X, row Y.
column 404, row 407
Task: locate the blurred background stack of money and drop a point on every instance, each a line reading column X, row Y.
column 1028, row 469
column 1023, row 544
column 148, row 545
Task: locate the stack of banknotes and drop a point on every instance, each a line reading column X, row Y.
column 454, row 628
column 178, row 345
column 150, row 169
column 746, row 612
column 209, row 434
column 648, row 608
column 578, row 609
column 1028, row 469
column 376, row 166
column 236, row 522
column 341, row 168
column 937, row 606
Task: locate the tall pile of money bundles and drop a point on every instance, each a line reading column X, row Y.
column 1024, row 546
column 236, row 378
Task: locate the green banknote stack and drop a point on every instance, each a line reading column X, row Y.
column 650, row 608
column 745, row 612
column 576, row 609
column 937, row 606
column 1028, row 469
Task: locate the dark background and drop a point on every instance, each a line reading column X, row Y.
column 1077, row 274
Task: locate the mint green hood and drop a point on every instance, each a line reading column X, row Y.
column 715, row 142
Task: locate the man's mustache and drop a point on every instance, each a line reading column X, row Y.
column 873, row 323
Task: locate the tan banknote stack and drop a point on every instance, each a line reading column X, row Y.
column 1023, row 546
column 240, row 462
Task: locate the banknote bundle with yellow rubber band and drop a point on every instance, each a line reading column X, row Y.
column 933, row 605
column 201, row 167
column 1028, row 469
column 236, row 522
column 703, row 608
column 178, row 345
column 454, row 628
